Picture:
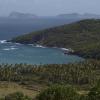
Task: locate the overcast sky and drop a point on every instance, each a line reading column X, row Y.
column 49, row 7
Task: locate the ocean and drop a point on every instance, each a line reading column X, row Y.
column 13, row 53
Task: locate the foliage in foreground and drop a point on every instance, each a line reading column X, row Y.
column 83, row 73
column 16, row 96
column 78, row 74
column 94, row 93
column 58, row 92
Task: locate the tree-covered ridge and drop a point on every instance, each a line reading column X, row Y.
column 83, row 37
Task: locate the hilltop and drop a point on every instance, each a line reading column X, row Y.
column 82, row 36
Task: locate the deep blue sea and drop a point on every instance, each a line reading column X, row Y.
column 18, row 53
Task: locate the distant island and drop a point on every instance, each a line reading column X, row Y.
column 79, row 16
column 21, row 15
column 83, row 37
column 18, row 15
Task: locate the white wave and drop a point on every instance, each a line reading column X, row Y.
column 40, row 46
column 64, row 49
column 13, row 48
column 68, row 50
column 7, row 49
column 18, row 43
column 3, row 41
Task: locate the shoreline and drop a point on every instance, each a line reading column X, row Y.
column 66, row 51
column 40, row 46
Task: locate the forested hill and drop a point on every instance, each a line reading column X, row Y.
column 83, row 37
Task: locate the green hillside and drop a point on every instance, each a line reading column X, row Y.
column 83, row 37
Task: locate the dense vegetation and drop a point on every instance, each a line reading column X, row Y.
column 68, row 93
column 16, row 96
column 58, row 92
column 83, row 73
column 81, row 76
column 83, row 37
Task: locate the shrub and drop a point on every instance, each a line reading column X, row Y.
column 94, row 93
column 17, row 96
column 58, row 92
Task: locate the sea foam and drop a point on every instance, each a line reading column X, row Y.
column 3, row 41
column 40, row 46
column 7, row 49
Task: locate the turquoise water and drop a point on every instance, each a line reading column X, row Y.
column 17, row 53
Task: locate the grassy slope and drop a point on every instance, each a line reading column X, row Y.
column 8, row 88
column 82, row 36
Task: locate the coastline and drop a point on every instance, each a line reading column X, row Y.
column 66, row 51
column 46, row 55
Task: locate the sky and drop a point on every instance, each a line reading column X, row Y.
column 49, row 7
